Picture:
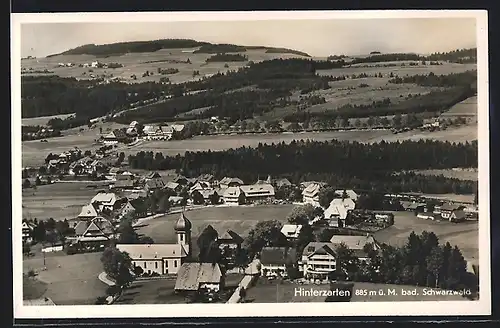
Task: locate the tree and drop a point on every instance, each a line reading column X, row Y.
column 326, row 195
column 117, row 265
column 243, row 293
column 39, row 232
column 197, row 198
column 127, row 234
column 26, row 183
column 397, row 121
column 207, row 244
column 146, row 240
column 264, row 234
column 164, row 204
column 434, row 264
column 302, row 214
column 26, row 249
column 347, row 262
column 214, row 198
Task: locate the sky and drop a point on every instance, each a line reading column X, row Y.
column 319, row 38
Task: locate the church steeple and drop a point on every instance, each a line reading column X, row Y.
column 183, row 231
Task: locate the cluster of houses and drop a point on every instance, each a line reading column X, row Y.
column 317, row 260
column 146, row 132
column 445, row 212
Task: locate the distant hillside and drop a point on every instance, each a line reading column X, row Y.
column 121, row 48
column 131, row 47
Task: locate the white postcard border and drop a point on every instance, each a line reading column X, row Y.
column 455, row 308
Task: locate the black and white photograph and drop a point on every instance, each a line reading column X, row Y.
column 226, row 163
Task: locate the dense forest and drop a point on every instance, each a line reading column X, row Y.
column 468, row 78
column 340, row 163
column 461, row 56
column 54, row 95
column 219, row 48
column 222, row 57
column 122, row 48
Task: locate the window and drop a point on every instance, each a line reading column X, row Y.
column 156, row 265
column 145, row 265
column 166, row 264
column 175, row 264
column 182, row 237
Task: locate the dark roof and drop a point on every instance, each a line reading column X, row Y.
column 206, row 177
column 123, row 184
column 183, row 224
column 231, row 236
column 283, row 182
column 190, row 275
column 152, row 175
column 120, row 134
column 155, row 183
column 277, row 255
column 414, row 206
column 450, row 207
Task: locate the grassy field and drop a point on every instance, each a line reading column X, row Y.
column 455, row 174
column 161, row 291
column 468, row 107
column 138, row 63
column 69, row 279
column 272, row 292
column 465, row 235
column 460, row 134
column 42, row 120
column 59, row 200
column 240, row 219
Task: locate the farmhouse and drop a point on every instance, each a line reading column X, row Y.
column 230, row 182
column 157, row 132
column 175, row 187
column 199, row 277
column 107, row 201
column 336, row 214
column 230, row 245
column 152, row 175
column 27, row 229
column 97, row 232
column 180, row 179
column 123, row 184
column 452, row 213
column 310, row 195
column 283, row 183
column 291, row 231
column 114, row 137
column 234, row 196
column 318, row 260
column 208, row 178
column 258, row 191
column 415, row 207
column 306, row 184
column 356, row 244
column 126, row 209
column 200, row 185
column 88, row 212
column 347, row 203
column 273, row 260
column 154, row 184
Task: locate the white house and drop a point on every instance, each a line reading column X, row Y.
column 338, row 211
column 291, row 231
column 258, row 191
column 318, row 260
column 27, row 230
column 356, row 244
column 106, row 201
column 310, row 195
column 273, row 260
column 452, row 213
column 234, row 196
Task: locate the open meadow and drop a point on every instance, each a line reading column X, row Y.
column 42, row 120
column 466, row 108
column 66, row 281
column 461, row 174
column 287, row 292
column 62, row 200
column 465, row 235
